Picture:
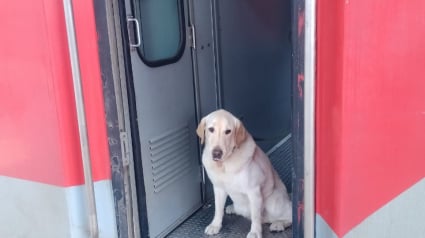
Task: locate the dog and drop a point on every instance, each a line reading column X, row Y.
column 238, row 168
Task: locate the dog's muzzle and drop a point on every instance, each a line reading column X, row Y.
column 217, row 153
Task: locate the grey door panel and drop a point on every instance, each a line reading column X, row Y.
column 167, row 121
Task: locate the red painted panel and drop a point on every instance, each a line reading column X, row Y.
column 328, row 105
column 38, row 127
column 370, row 111
column 92, row 86
column 37, row 123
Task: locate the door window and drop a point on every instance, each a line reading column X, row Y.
column 162, row 31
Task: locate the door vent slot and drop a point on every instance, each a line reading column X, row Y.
column 170, row 158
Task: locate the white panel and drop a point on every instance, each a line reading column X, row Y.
column 323, row 230
column 104, row 207
column 37, row 210
column 404, row 216
column 30, row 209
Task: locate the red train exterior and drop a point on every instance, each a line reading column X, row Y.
column 41, row 170
column 370, row 121
column 370, row 118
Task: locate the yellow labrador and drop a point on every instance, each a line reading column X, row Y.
column 238, row 168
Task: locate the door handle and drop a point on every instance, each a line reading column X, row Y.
column 138, row 42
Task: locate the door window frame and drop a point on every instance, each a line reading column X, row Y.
column 182, row 41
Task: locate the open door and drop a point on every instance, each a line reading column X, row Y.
column 165, row 106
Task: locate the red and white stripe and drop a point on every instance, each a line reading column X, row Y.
column 41, row 175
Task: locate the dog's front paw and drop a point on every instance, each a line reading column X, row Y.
column 212, row 229
column 277, row 226
column 253, row 235
column 230, row 209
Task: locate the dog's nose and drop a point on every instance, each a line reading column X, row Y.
column 217, row 153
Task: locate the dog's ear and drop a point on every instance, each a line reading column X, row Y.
column 240, row 133
column 201, row 130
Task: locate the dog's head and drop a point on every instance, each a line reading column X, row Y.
column 222, row 133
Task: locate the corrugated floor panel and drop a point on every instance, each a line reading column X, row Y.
column 282, row 160
column 233, row 227
column 236, row 226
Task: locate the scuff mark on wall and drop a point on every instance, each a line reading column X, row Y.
column 301, row 20
column 300, row 81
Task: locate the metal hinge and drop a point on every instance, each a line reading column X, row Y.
column 124, row 149
column 192, row 36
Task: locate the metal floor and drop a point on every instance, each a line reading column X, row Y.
column 236, row 226
column 233, row 227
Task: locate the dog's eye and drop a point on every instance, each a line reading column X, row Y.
column 227, row 132
column 211, row 129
